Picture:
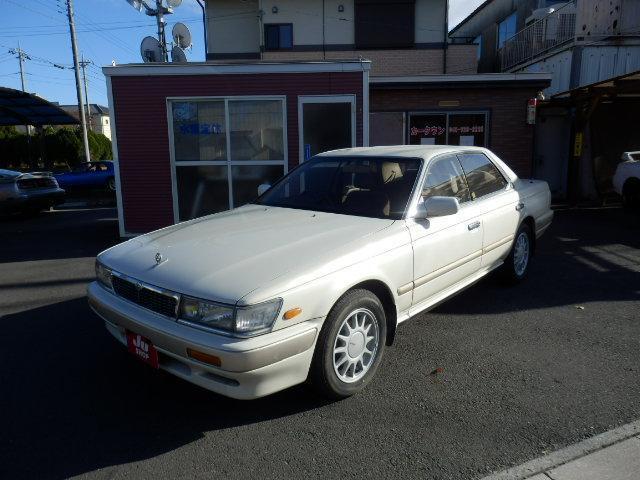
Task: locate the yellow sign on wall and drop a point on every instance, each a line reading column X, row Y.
column 577, row 145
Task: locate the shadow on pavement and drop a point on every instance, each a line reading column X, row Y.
column 58, row 234
column 74, row 401
column 586, row 256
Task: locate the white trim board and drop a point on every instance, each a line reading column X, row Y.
column 116, row 162
column 147, row 69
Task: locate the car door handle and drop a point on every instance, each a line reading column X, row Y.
column 519, row 206
column 473, row 226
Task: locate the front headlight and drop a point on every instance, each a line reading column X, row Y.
column 249, row 320
column 103, row 275
column 257, row 318
column 208, row 314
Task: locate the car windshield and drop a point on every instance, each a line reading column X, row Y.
column 362, row 186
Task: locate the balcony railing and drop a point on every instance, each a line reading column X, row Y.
column 557, row 28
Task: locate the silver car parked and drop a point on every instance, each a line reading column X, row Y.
column 28, row 192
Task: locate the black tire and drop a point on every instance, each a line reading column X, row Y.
column 512, row 270
column 322, row 375
column 111, row 185
column 631, row 195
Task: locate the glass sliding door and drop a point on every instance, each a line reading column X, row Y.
column 222, row 149
column 325, row 123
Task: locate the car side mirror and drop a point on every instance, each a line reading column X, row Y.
column 263, row 188
column 437, row 207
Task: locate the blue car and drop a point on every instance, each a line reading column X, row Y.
column 89, row 176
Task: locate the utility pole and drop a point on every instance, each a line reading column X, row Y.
column 21, row 57
column 84, row 64
column 76, row 68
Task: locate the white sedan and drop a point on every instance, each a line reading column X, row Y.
column 626, row 179
column 311, row 280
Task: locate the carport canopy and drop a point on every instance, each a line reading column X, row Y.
column 22, row 108
column 627, row 85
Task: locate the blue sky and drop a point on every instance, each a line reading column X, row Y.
column 107, row 30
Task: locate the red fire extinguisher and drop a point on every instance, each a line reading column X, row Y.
column 532, row 103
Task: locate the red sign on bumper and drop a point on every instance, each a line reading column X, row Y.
column 142, row 348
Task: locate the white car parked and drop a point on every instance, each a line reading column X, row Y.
column 626, row 180
column 312, row 279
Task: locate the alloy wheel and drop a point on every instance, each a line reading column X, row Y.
column 356, row 345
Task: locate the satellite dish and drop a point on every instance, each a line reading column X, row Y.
column 151, row 50
column 174, row 3
column 137, row 4
column 177, row 55
column 181, row 35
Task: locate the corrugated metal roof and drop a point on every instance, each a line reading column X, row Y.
column 22, row 108
column 628, row 85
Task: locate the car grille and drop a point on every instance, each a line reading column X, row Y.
column 161, row 303
column 40, row 182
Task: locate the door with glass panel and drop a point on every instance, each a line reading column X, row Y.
column 326, row 123
column 222, row 149
column 499, row 201
column 446, row 250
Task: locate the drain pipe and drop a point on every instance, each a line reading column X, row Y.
column 204, row 24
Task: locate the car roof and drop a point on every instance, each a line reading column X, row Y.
column 9, row 173
column 406, row 151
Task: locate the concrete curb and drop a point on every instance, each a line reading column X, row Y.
column 567, row 454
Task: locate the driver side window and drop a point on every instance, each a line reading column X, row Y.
column 445, row 178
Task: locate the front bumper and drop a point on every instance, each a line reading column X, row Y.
column 250, row 367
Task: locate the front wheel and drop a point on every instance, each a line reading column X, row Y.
column 350, row 345
column 516, row 265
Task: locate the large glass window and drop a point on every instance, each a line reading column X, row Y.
column 506, row 29
column 223, row 150
column 467, row 129
column 428, row 129
column 202, row 190
column 199, row 131
column 256, row 130
column 448, row 128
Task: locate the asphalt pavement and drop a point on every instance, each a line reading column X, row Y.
column 493, row 378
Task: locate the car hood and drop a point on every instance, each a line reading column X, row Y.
column 225, row 256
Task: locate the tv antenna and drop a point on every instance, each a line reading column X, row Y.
column 159, row 11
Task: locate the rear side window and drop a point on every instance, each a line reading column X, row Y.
column 445, row 178
column 482, row 175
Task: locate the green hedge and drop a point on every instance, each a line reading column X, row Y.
column 62, row 146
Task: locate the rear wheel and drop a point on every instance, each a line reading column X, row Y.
column 516, row 265
column 350, row 345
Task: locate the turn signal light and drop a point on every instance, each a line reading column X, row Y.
column 294, row 312
column 204, row 357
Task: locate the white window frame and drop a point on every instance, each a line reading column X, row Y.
column 228, row 162
column 302, row 99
